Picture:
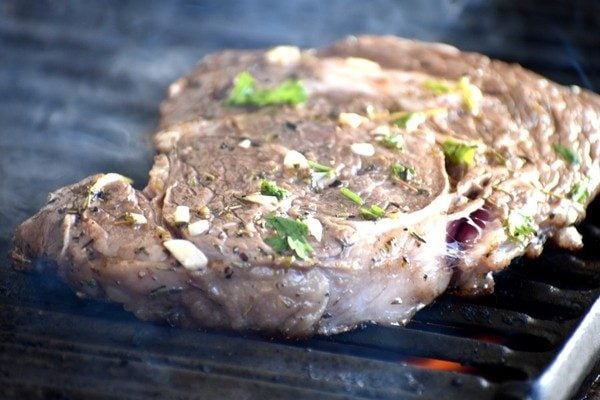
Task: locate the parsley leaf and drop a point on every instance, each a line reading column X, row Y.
column 470, row 93
column 315, row 166
column 438, row 86
column 404, row 172
column 245, row 93
column 291, row 235
column 411, row 120
column 278, row 243
column 243, row 89
column 566, row 153
column 270, row 188
column 520, row 227
column 300, row 246
column 579, row 192
column 393, row 141
column 373, row 212
column 350, row 195
column 459, row 153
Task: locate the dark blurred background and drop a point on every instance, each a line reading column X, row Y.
column 81, row 81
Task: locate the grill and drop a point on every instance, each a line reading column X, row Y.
column 80, row 84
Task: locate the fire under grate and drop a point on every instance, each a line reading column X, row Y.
column 87, row 77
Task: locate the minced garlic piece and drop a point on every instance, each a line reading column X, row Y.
column 352, row 120
column 204, row 212
column 362, row 64
column 107, row 179
column 363, row 149
column 135, row 218
column 103, row 181
column 186, row 253
column 471, row 94
column 261, row 199
column 176, row 87
column 181, row 215
column 295, row 160
column 198, row 227
column 315, row 228
column 381, row 130
column 283, row 55
column 245, row 144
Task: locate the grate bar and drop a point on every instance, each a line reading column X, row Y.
column 540, row 300
column 439, row 346
column 172, row 350
column 476, row 320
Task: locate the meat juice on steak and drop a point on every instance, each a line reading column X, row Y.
column 465, row 159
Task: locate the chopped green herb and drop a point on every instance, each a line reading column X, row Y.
column 315, row 166
column 579, row 192
column 350, row 195
column 404, row 172
column 278, row 243
column 245, row 93
column 373, row 212
column 418, row 237
column 459, row 153
column 520, row 227
column 291, row 236
column 471, row 94
column 243, row 89
column 393, row 141
column 300, row 246
column 270, row 188
column 410, row 120
column 439, row 86
column 566, row 153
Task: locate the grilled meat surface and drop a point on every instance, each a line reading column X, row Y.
column 524, row 127
column 409, row 168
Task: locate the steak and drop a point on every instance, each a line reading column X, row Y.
column 301, row 192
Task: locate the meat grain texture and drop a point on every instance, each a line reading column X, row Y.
column 496, row 160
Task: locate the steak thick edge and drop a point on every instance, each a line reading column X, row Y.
column 374, row 105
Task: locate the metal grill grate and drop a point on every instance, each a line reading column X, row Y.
column 55, row 343
column 80, row 85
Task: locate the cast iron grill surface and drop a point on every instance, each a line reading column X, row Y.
column 80, row 84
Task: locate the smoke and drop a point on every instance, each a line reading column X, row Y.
column 81, row 83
